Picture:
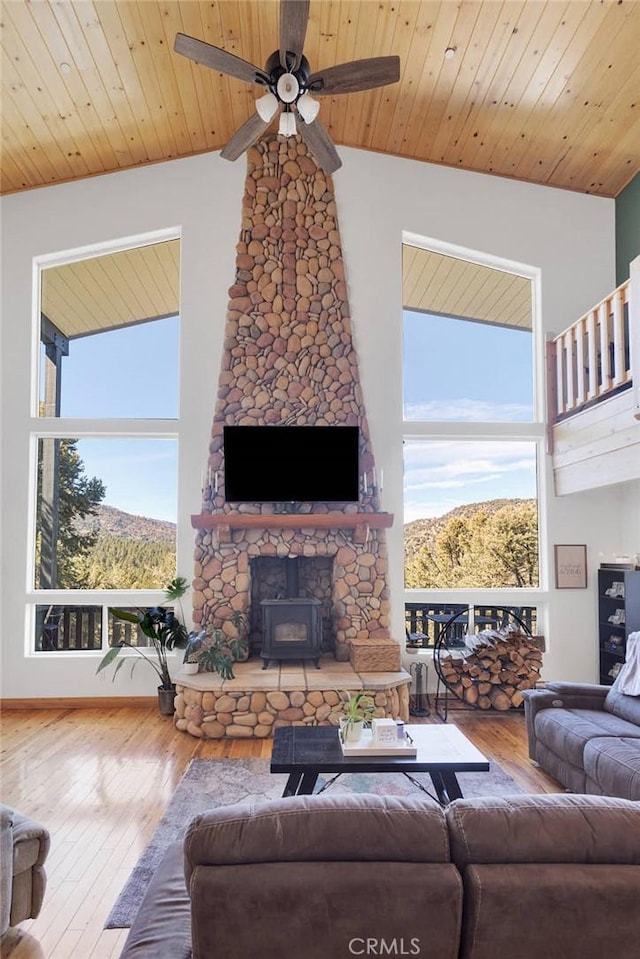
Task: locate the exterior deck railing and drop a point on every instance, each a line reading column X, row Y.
column 79, row 628
column 591, row 360
column 423, row 621
column 60, row 628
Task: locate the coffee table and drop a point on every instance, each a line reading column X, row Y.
column 306, row 751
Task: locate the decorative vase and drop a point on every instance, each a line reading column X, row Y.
column 351, row 731
column 189, row 669
column 165, row 700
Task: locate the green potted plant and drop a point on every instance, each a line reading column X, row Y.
column 190, row 663
column 358, row 709
column 166, row 632
column 219, row 651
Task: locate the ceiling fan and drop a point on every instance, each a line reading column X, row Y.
column 290, row 84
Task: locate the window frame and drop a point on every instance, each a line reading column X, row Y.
column 533, row 431
column 42, row 427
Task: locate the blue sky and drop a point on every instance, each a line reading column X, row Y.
column 460, row 370
column 130, row 373
column 456, row 370
column 438, row 476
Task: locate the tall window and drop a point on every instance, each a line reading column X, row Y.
column 105, row 439
column 472, row 436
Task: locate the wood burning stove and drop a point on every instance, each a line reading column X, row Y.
column 291, row 629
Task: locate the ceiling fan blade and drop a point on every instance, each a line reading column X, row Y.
column 319, row 142
column 245, row 137
column 218, row 59
column 294, row 16
column 354, row 76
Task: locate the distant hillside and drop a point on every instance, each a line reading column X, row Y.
column 423, row 532
column 112, row 522
column 130, row 552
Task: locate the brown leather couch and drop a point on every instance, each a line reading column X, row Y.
column 586, row 736
column 327, row 877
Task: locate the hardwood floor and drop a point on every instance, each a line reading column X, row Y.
column 100, row 779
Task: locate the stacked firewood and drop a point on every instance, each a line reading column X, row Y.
column 493, row 668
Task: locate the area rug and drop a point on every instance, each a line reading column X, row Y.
column 208, row 783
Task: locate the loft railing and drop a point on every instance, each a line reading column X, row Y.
column 591, row 360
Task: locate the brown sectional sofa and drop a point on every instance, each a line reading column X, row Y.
column 327, row 877
column 587, row 737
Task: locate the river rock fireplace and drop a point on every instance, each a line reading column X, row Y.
column 289, row 360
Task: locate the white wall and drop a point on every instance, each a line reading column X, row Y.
column 629, row 512
column 569, row 237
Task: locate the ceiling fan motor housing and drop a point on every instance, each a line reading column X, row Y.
column 287, row 85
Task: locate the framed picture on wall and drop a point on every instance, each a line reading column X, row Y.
column 571, row 567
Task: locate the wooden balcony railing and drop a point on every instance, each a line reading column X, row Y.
column 591, row 360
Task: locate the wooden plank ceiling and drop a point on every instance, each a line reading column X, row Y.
column 434, row 283
column 547, row 92
column 113, row 290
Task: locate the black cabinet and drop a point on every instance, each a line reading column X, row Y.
column 618, row 615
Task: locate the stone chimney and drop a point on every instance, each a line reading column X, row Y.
column 289, row 359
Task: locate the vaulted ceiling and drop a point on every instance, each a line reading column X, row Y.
column 547, row 92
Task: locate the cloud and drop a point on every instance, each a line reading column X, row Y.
column 467, row 410
column 441, row 475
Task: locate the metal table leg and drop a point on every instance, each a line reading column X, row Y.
column 446, row 786
column 300, row 784
column 291, row 787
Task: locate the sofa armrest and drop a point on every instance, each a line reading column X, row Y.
column 577, row 694
column 559, row 695
column 534, row 701
column 6, row 866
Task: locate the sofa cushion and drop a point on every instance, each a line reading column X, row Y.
column 626, row 707
column 549, row 828
column 305, row 828
column 571, row 777
column 555, row 911
column 326, row 910
column 614, row 766
column 567, row 731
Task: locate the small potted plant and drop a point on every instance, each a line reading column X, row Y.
column 190, row 663
column 358, row 709
column 220, row 651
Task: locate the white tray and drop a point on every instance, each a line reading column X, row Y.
column 366, row 747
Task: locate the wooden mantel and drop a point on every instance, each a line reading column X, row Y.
column 360, row 523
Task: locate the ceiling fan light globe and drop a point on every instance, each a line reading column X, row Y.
column 287, row 125
column 288, row 88
column 267, row 107
column 308, row 108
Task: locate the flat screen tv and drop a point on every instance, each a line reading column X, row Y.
column 291, row 464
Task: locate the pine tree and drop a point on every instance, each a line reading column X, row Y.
column 77, row 497
column 485, row 550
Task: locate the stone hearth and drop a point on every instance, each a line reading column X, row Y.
column 289, row 359
column 255, row 702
